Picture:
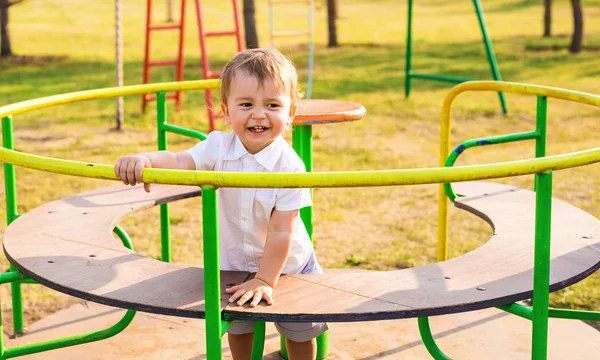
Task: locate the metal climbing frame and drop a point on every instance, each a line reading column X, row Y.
column 409, row 74
column 178, row 62
column 308, row 32
column 206, row 72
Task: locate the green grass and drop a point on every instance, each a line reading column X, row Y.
column 65, row 46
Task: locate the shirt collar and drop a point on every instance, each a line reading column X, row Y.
column 267, row 157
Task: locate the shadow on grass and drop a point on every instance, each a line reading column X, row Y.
column 339, row 72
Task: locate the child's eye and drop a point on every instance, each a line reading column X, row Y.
column 246, row 104
column 272, row 105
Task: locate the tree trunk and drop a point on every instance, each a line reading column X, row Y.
column 577, row 27
column 547, row 18
column 331, row 26
column 250, row 25
column 5, row 48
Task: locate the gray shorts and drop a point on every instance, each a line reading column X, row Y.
column 298, row 332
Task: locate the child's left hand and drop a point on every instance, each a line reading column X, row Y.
column 254, row 289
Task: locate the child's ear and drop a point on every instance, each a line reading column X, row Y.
column 293, row 110
column 225, row 113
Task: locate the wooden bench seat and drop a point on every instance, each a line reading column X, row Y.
column 67, row 245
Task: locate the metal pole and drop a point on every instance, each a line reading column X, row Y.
column 489, row 51
column 212, row 282
column 10, row 189
column 541, row 265
column 165, row 222
column 408, row 68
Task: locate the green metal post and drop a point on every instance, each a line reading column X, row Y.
column 10, row 191
column 540, row 126
column 489, row 51
column 302, row 142
column 165, row 223
column 408, row 65
column 540, row 129
column 429, row 341
column 258, row 347
column 541, row 266
column 212, row 281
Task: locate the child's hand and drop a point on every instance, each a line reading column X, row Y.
column 254, row 289
column 129, row 169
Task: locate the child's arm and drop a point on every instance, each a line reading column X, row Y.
column 129, row 168
column 275, row 255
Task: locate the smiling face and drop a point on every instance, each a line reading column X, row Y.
column 258, row 111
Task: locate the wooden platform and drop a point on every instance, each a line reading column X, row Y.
column 67, row 245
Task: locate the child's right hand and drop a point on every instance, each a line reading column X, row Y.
column 129, row 169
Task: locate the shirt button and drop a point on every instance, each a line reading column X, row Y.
column 244, row 218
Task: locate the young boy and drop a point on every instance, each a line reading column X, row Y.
column 260, row 229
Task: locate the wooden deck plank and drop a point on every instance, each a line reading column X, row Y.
column 67, row 245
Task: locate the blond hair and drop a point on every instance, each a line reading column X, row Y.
column 264, row 64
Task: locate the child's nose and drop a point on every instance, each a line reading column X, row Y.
column 258, row 113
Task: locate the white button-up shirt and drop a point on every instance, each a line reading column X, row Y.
column 244, row 214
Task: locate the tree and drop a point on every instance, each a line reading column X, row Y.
column 547, row 18
column 5, row 48
column 577, row 38
column 250, row 24
column 332, row 12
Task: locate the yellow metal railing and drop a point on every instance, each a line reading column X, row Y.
column 520, row 167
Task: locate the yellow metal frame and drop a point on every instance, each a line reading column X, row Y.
column 317, row 180
column 566, row 160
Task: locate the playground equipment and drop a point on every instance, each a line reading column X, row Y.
column 203, row 34
column 308, row 33
column 514, row 265
column 409, row 74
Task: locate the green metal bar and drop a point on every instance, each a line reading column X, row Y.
column 518, row 309
column 2, row 348
column 302, row 143
column 183, row 131
column 283, row 348
column 541, row 266
column 429, row 341
column 408, row 65
column 10, row 190
column 527, row 312
column 10, row 180
column 165, row 222
column 574, row 314
column 11, row 276
column 70, row 340
column 447, row 78
column 540, row 126
column 212, row 283
column 489, row 51
column 323, row 345
column 123, row 236
column 490, row 140
column 258, row 347
column 225, row 325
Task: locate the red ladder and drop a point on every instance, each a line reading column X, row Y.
column 177, row 62
column 207, row 73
